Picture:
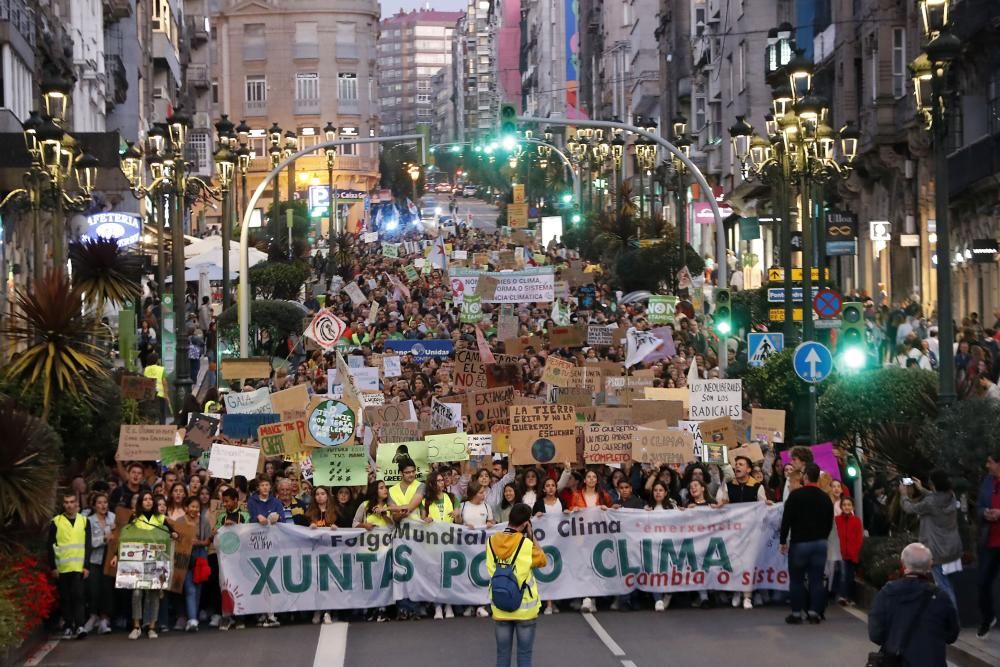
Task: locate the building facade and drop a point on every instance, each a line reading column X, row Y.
column 301, row 64
column 474, row 70
column 412, row 48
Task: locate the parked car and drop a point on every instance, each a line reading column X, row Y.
column 469, row 191
column 442, row 187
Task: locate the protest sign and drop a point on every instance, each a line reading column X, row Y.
column 460, row 255
column 201, row 430
column 646, row 410
column 525, row 286
column 353, row 291
column 390, row 250
column 486, row 288
column 401, row 431
column 520, row 344
column 251, row 368
column 714, row 453
column 248, row 402
column 767, row 425
column 674, row 447
column 487, row 407
column 507, row 323
column 174, row 454
column 600, row 335
column 291, row 403
column 390, row 413
column 751, row 450
column 182, row 547
column 823, row 456
column 445, row 415
column 576, row 396
column 611, row 415
column 542, row 434
column 325, row 329
column 138, row 387
column 608, row 443
column 411, row 273
column 340, row 466
column 694, row 428
column 469, row 371
column 719, row 431
column 472, row 309
column 388, row 456
column 242, row 426
column 370, row 237
column 447, row 447
column 586, row 377
column 716, row 398
column 567, row 336
column 660, row 309
column 330, row 423
column 732, row 549
column 391, row 367
column 480, row 444
column 144, row 558
column 142, row 442
column 228, row 461
column 365, row 377
column 283, row 438
column 681, row 394
column 422, row 350
column 557, row 371
column 350, row 393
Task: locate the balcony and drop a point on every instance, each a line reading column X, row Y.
column 114, row 68
column 115, row 10
column 197, row 29
column 17, row 15
column 305, row 51
column 347, row 52
column 197, row 77
column 254, row 108
column 307, row 107
column 973, row 163
column 348, row 107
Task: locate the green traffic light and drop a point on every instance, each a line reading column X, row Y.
column 455, row 149
column 852, row 471
column 508, row 142
column 853, row 358
column 433, row 149
column 724, row 327
column 575, row 218
column 567, row 198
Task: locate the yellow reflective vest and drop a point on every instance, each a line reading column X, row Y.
column 442, row 509
column 153, row 522
column 158, row 373
column 529, row 557
column 374, row 519
column 71, row 543
column 403, row 498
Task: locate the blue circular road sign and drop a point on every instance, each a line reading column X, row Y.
column 812, row 361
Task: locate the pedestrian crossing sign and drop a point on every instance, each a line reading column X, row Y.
column 760, row 346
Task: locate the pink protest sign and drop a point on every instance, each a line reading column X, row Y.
column 824, row 457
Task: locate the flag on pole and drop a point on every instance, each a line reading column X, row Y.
column 438, row 257
column 638, row 345
column 559, row 314
column 485, row 353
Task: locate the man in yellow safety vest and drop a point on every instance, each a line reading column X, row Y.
column 404, row 503
column 69, row 554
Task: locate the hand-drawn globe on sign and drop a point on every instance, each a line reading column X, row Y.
column 543, row 450
column 331, row 423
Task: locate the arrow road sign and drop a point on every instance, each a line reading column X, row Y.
column 760, row 346
column 777, row 274
column 828, row 303
column 812, row 361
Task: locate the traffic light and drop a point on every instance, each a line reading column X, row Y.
column 853, row 470
column 508, row 120
column 722, row 316
column 851, row 345
column 575, row 218
column 567, row 197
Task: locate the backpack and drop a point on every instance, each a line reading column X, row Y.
column 505, row 592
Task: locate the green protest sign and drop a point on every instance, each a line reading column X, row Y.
column 411, row 273
column 472, row 309
column 173, row 455
column 390, row 250
column 389, row 454
column 661, row 309
column 340, row 466
column 145, row 558
column 447, row 447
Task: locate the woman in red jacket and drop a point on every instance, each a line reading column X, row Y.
column 590, row 494
column 852, row 536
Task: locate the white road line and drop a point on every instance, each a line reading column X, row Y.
column 331, row 649
column 36, row 658
column 628, row 663
column 603, row 635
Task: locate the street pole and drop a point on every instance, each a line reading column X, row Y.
column 182, row 367
column 808, row 331
column 786, row 245
column 330, row 205
column 35, row 195
column 946, row 331
column 227, row 234
column 58, row 229
column 161, row 243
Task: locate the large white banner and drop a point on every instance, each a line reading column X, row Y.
column 534, row 285
column 590, row 553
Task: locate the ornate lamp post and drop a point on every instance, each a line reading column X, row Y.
column 331, row 158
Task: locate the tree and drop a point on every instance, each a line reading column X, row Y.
column 961, row 438
column 277, row 229
column 280, row 318
column 279, row 280
column 29, row 469
column 103, row 273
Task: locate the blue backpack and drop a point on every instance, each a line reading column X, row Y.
column 505, row 592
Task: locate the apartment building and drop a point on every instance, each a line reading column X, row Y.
column 412, row 48
column 474, row 69
column 301, row 64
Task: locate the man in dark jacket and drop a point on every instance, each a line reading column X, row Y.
column 808, row 516
column 911, row 618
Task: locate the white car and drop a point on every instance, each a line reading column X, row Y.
column 469, row 191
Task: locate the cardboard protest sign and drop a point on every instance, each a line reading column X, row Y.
column 388, row 456
column 391, row 413
column 251, row 368
column 520, row 344
column 330, row 423
column 823, row 456
column 201, row 430
column 357, row 296
column 612, row 415
column 662, row 446
column 138, row 387
column 282, row 438
column 402, row 431
column 391, row 366
column 608, row 443
column 445, row 415
column 142, row 442
column 480, row 444
column 248, row 402
column 242, row 426
column 576, row 396
column 669, row 394
column 599, row 335
column 447, row 447
column 228, row 461
column 542, row 433
column 714, row 453
column 720, row 431
column 568, row 336
column 183, row 545
column 751, row 450
column 507, row 323
column 469, row 370
column 767, row 425
column 486, row 288
column 487, row 407
column 172, row 455
column 557, row 371
column 291, row 403
column 340, row 466
column 716, row 398
column 646, row 410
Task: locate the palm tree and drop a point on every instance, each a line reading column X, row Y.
column 61, row 349
column 29, row 468
column 103, row 273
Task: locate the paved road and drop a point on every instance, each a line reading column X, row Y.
column 681, row 637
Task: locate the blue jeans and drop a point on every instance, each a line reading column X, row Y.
column 505, row 641
column 989, row 568
column 944, row 583
column 192, row 591
column 807, row 560
column 846, row 579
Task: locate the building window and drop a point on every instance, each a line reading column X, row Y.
column 699, row 114
column 346, row 33
column 732, row 79
column 423, row 85
column 423, row 99
column 215, row 92
column 742, row 65
column 423, row 111
column 256, row 91
column 198, row 151
column 347, row 86
column 307, row 87
column 873, row 62
column 306, row 32
column 254, row 44
column 899, row 62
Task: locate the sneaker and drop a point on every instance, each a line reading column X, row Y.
column 91, row 622
column 448, row 611
column 984, row 629
column 214, row 621
column 104, row 628
column 813, row 618
column 271, row 621
column 736, row 600
column 659, row 606
column 67, row 633
column 548, row 611
column 614, row 605
column 747, row 602
column 151, row 633
column 438, row 613
column 482, row 612
column 758, row 600
column 135, row 634
column 587, row 606
column 469, row 611
column 326, row 619
column 794, row 619
column 192, row 626
column 316, row 617
column 381, row 618
column 178, row 626
column 81, row 633
column 240, row 625
column 554, row 608
column 225, row 624
column 842, row 601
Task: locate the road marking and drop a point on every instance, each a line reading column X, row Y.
column 331, row 649
column 603, row 635
column 628, row 663
column 36, row 658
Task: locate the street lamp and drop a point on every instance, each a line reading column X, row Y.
column 930, row 73
column 414, row 172
column 225, row 161
column 331, row 158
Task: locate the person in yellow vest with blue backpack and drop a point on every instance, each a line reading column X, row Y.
column 69, row 554
column 511, row 557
